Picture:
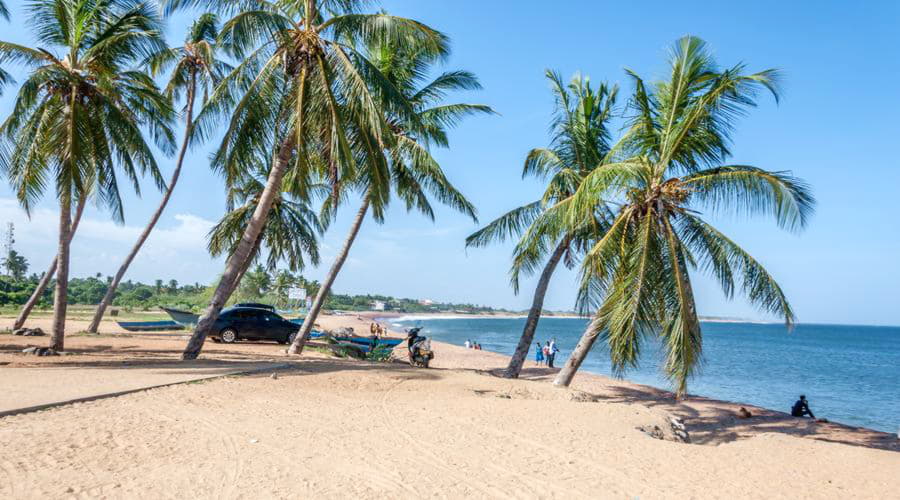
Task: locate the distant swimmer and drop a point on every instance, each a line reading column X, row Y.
column 801, row 408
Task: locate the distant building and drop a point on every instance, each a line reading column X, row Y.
column 378, row 305
column 426, row 302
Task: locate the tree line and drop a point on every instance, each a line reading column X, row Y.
column 316, row 104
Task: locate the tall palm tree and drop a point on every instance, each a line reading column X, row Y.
column 44, row 282
column 80, row 115
column 580, row 144
column 195, row 67
column 406, row 167
column 674, row 165
column 291, row 228
column 302, row 79
column 5, row 78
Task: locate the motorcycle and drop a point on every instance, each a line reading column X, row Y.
column 420, row 353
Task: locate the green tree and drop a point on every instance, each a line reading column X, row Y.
column 672, row 166
column 406, row 167
column 291, row 229
column 79, row 116
column 580, row 144
column 301, row 80
column 255, row 284
column 195, row 67
column 16, row 265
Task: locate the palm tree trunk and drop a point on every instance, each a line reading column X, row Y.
column 565, row 376
column 239, row 260
column 60, row 299
column 45, row 280
column 253, row 252
column 534, row 315
column 301, row 338
column 111, row 290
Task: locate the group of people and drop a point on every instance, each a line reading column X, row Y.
column 472, row 345
column 545, row 353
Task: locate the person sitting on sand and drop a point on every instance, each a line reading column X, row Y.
column 538, row 354
column 801, row 408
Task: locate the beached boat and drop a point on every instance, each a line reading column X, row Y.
column 149, row 326
column 183, row 318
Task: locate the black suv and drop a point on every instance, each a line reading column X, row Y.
column 252, row 323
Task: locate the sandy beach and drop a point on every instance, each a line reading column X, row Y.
column 337, row 428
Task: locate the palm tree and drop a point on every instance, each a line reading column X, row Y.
column 5, row 78
column 291, row 228
column 79, row 116
column 301, row 79
column 580, row 144
column 44, row 282
column 673, row 165
column 196, row 67
column 406, row 165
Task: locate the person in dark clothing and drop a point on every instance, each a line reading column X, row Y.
column 801, row 408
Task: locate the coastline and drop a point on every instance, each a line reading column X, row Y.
column 327, row 427
column 394, row 316
column 718, row 415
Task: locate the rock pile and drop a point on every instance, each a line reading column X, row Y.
column 40, row 351
column 676, row 432
column 29, row 332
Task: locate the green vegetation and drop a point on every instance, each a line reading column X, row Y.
column 257, row 285
column 580, row 144
column 669, row 167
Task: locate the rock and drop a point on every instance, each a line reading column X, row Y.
column 653, row 431
column 40, row 351
column 674, row 431
column 679, row 431
column 29, row 332
column 744, row 413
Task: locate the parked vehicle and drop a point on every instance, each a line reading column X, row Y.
column 252, row 323
column 420, row 353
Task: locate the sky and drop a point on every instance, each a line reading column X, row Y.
column 834, row 127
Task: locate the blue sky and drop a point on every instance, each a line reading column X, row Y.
column 834, row 128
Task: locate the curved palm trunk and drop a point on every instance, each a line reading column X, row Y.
column 111, row 290
column 301, row 338
column 565, row 376
column 60, row 299
column 238, row 261
column 51, row 271
column 534, row 315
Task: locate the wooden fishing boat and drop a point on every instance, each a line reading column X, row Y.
column 183, row 318
column 149, row 326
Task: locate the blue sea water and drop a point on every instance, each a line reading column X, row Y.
column 850, row 374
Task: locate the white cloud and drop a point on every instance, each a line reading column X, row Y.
column 175, row 249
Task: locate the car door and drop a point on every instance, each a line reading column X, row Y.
column 271, row 322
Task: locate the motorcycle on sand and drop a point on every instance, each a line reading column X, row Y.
column 420, row 353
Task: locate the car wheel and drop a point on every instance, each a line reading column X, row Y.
column 228, row 335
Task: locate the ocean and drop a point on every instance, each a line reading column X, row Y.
column 849, row 374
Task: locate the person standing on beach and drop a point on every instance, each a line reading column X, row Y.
column 545, row 350
column 551, row 352
column 538, row 354
column 468, row 344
